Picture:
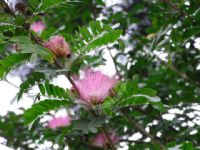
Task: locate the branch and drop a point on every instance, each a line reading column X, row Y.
column 143, row 131
column 133, row 141
column 105, row 133
column 6, row 80
column 180, row 74
column 107, row 136
column 8, row 8
column 114, row 61
column 168, row 2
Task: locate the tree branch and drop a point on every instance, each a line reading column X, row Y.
column 180, row 74
column 133, row 141
column 107, row 136
column 168, row 2
column 8, row 8
column 143, row 131
column 105, row 133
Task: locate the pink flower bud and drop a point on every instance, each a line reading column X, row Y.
column 100, row 140
column 38, row 27
column 58, row 46
column 59, row 122
column 94, row 87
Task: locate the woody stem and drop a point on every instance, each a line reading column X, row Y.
column 142, row 130
column 107, row 136
column 105, row 133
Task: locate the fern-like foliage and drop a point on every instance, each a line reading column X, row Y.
column 96, row 35
column 39, row 109
column 10, row 62
column 44, row 5
column 53, row 90
column 33, row 79
column 140, row 99
column 4, row 26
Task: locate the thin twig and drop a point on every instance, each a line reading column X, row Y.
column 168, row 2
column 11, row 84
column 113, row 59
column 180, row 74
column 133, row 141
column 143, row 131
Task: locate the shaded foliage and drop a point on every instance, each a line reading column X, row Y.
column 158, row 44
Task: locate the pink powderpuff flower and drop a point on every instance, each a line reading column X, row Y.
column 100, row 140
column 59, row 122
column 38, row 27
column 94, row 87
column 58, row 46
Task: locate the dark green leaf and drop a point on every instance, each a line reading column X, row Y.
column 39, row 109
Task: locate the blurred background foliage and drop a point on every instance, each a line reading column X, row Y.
column 160, row 44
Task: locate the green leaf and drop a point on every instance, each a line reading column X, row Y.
column 42, row 89
column 39, row 50
column 47, row 88
column 10, row 62
column 100, row 2
column 39, row 109
column 45, row 54
column 2, row 38
column 131, row 86
column 95, row 36
column 135, row 79
column 121, row 45
column 53, row 91
column 183, row 146
column 33, row 3
column 49, row 4
column 138, row 100
column 19, row 20
column 86, row 126
column 141, row 99
column 95, row 124
column 81, row 125
column 107, row 105
column 21, row 40
column 34, row 78
column 33, row 58
column 147, row 91
column 4, row 26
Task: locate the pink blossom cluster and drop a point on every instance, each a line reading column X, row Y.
column 94, row 87
column 57, row 122
column 38, row 26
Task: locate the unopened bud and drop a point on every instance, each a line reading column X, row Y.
column 58, row 46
